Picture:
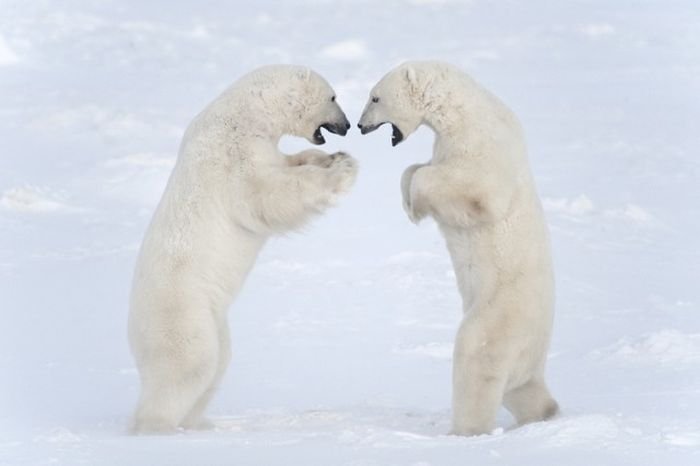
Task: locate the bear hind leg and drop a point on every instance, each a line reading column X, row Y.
column 194, row 419
column 531, row 402
column 478, row 385
column 164, row 404
column 175, row 380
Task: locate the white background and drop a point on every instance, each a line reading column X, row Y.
column 342, row 336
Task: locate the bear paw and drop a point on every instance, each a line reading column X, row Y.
column 311, row 157
column 343, row 170
column 407, row 192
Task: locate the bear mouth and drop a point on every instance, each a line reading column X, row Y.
column 318, row 137
column 335, row 128
column 396, row 134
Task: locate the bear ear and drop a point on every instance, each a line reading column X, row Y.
column 420, row 83
column 411, row 76
column 304, row 74
column 417, row 81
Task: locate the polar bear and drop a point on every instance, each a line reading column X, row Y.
column 230, row 190
column 479, row 189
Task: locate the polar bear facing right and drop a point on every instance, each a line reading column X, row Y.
column 230, row 191
column 479, row 189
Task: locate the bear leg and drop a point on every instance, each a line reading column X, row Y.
column 478, row 384
column 194, row 419
column 175, row 378
column 531, row 402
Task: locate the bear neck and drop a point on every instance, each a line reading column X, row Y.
column 456, row 115
column 259, row 129
column 449, row 120
column 263, row 121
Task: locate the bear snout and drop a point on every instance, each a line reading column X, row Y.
column 341, row 128
column 364, row 129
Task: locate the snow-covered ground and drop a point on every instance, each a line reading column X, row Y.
column 342, row 336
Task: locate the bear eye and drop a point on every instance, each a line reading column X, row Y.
column 333, row 99
column 375, row 99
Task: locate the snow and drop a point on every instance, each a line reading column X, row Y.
column 667, row 347
column 595, row 30
column 348, row 50
column 578, row 206
column 342, row 335
column 32, row 199
column 7, row 55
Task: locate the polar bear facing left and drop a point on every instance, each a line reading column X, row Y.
column 479, row 189
column 231, row 189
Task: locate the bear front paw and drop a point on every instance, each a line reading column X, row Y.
column 415, row 214
column 311, row 157
column 418, row 207
column 408, row 193
column 343, row 169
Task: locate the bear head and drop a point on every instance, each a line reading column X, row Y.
column 401, row 98
column 297, row 101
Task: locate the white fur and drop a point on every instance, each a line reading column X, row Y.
column 479, row 189
column 229, row 191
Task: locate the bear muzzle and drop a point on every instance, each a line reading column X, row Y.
column 340, row 128
column 396, row 134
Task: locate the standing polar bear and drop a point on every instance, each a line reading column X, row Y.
column 479, row 189
column 229, row 191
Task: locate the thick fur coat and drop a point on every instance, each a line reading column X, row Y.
column 479, row 189
column 231, row 189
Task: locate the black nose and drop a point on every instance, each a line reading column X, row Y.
column 359, row 126
column 347, row 125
